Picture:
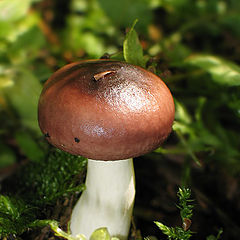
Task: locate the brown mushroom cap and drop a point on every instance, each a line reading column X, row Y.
column 105, row 110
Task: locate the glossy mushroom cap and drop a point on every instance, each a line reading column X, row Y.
column 105, row 110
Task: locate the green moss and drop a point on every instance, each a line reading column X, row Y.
column 15, row 216
column 38, row 185
column 57, row 177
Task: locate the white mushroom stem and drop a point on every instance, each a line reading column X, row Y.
column 108, row 199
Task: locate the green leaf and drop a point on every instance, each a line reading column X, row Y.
column 29, row 146
column 124, row 12
column 82, row 33
column 10, row 31
column 5, row 81
column 23, row 96
column 233, row 101
column 231, row 22
column 100, row 234
column 58, row 231
column 182, row 115
column 26, row 46
column 222, row 71
column 212, row 237
column 7, row 156
column 189, row 150
column 132, row 49
column 14, row 9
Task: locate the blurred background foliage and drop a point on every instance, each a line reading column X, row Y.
column 193, row 45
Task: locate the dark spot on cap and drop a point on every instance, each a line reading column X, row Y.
column 76, row 140
column 47, row 135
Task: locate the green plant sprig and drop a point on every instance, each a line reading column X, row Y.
column 180, row 233
column 184, row 205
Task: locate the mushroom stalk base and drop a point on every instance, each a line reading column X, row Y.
column 108, row 199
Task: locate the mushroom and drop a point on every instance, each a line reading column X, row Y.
column 109, row 112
